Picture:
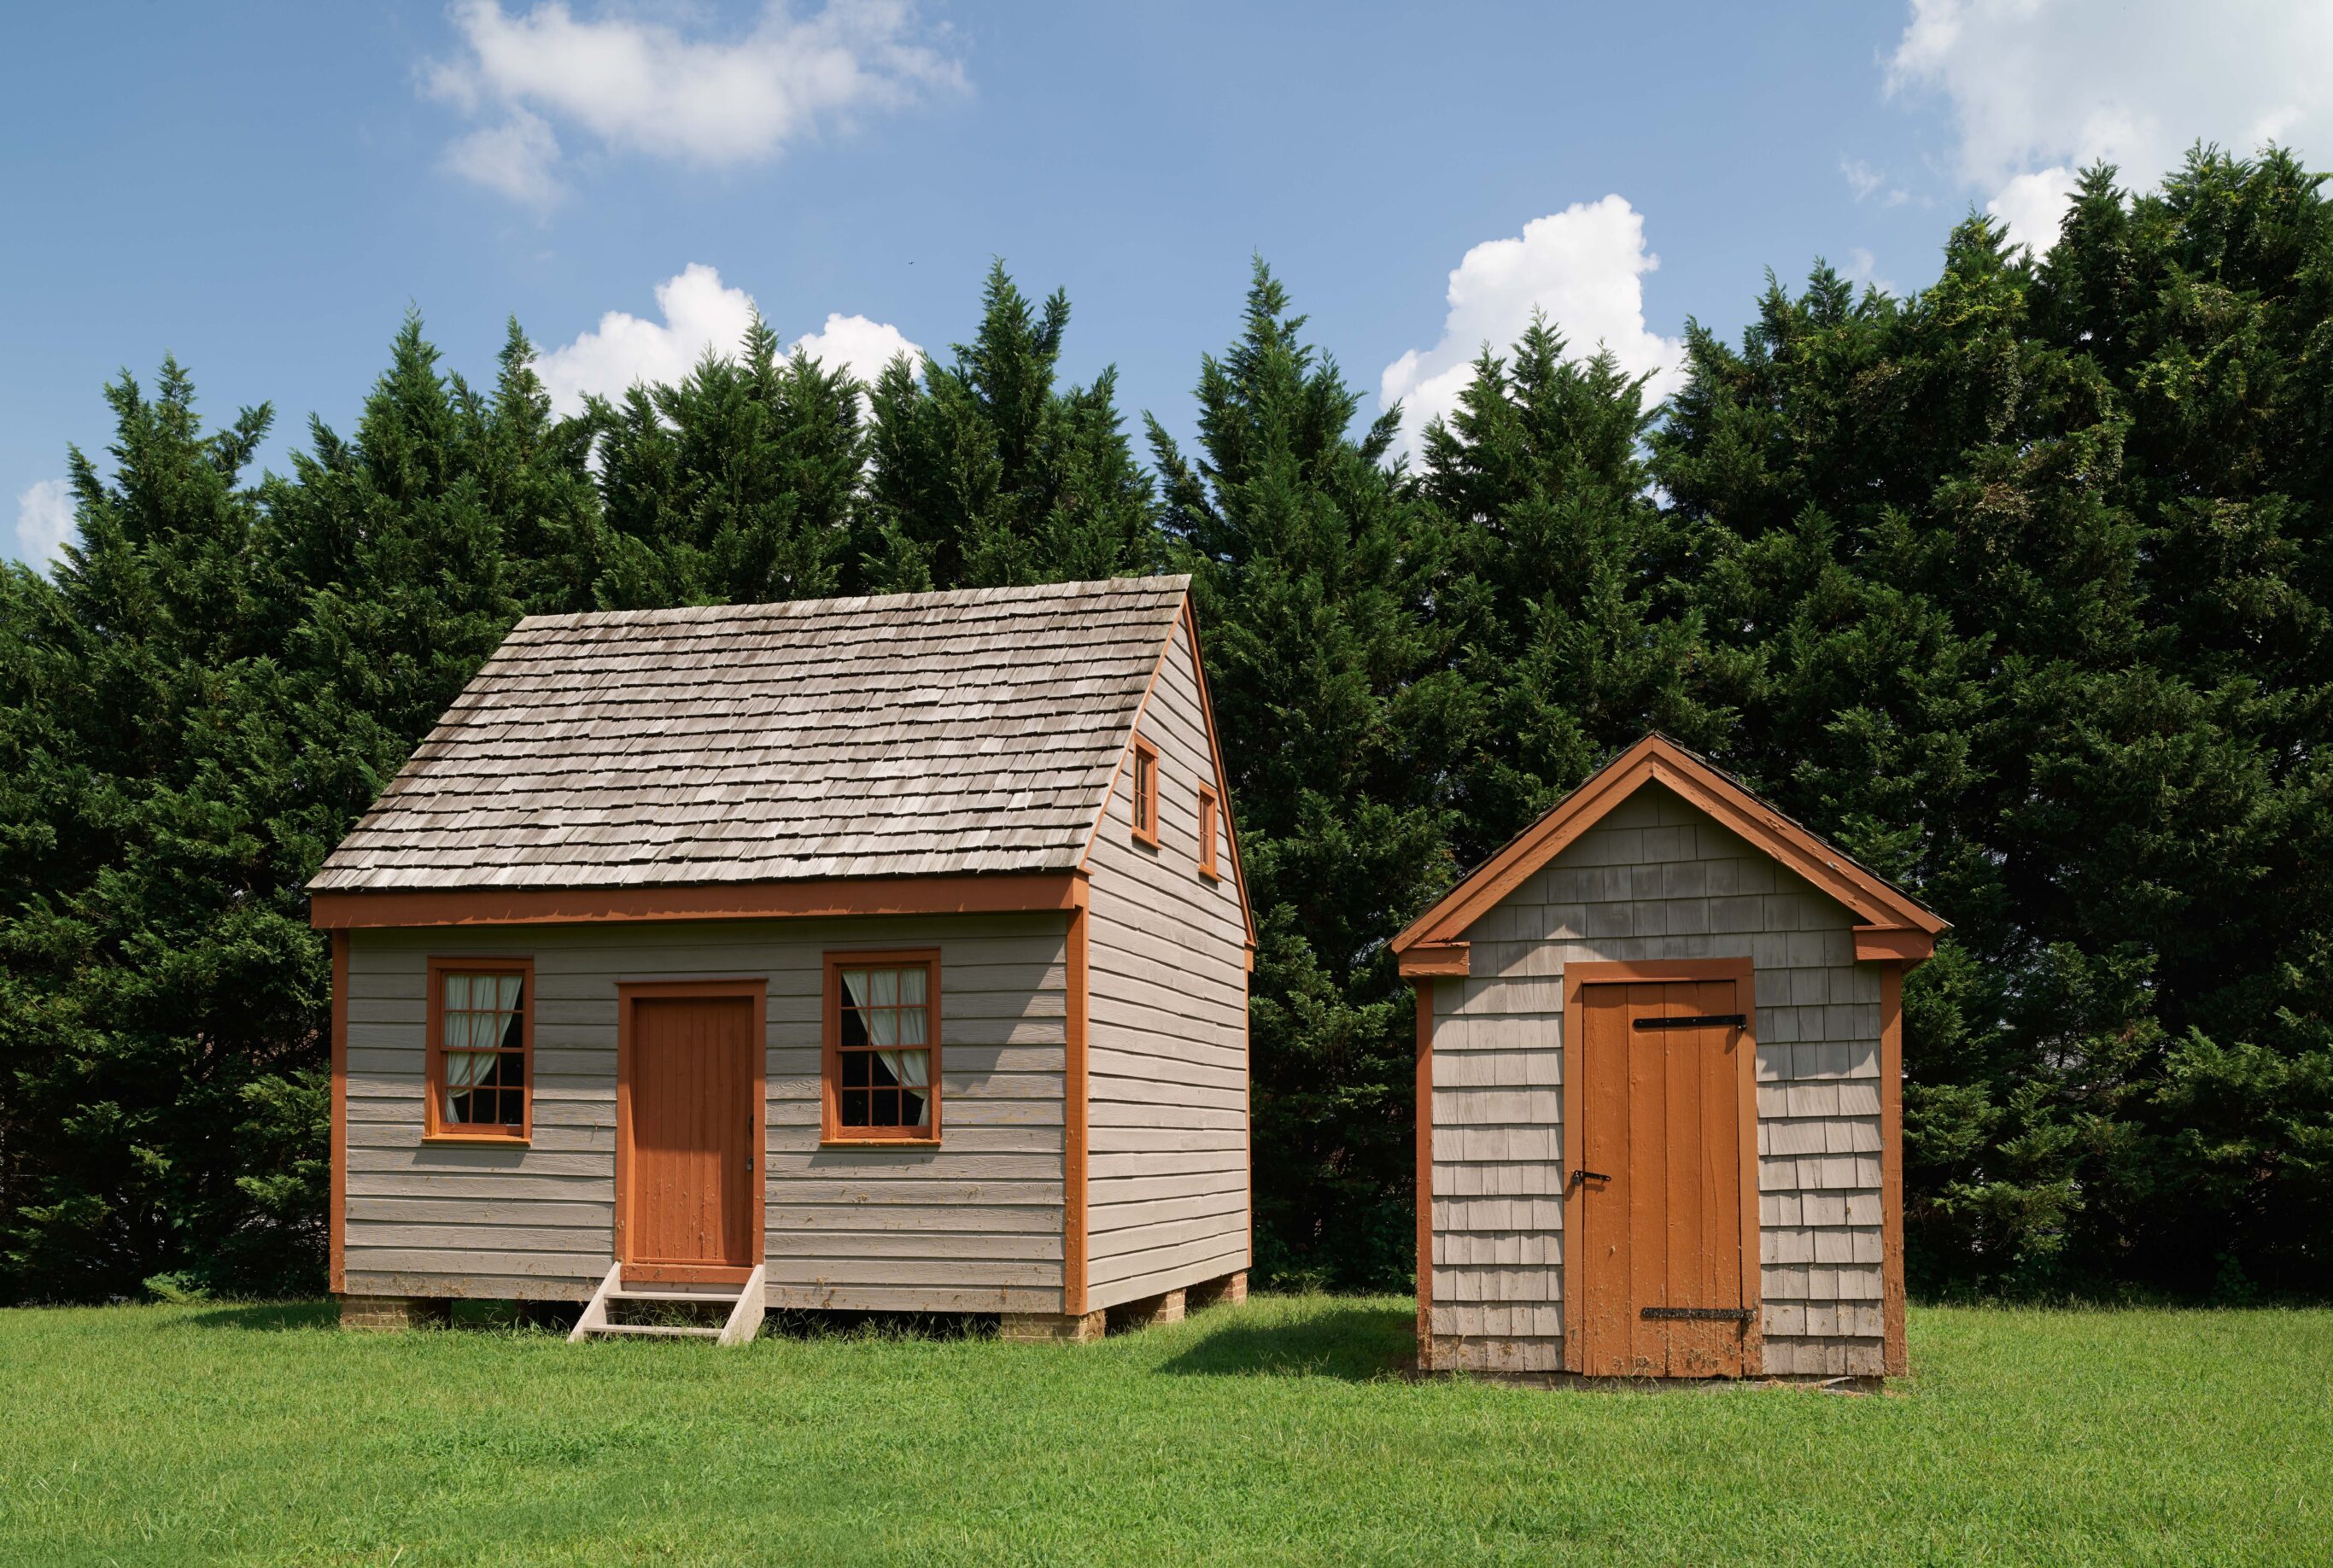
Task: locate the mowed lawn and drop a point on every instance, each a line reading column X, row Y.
column 1275, row 1432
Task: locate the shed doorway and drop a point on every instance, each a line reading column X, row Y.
column 689, row 1132
column 1661, row 1191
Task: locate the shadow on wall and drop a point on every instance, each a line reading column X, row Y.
column 1358, row 1344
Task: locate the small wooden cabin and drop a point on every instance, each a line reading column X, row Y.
column 866, row 954
column 1659, row 1114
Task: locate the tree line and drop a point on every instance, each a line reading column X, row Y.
column 2016, row 586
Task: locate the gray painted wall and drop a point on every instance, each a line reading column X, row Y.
column 1656, row 879
column 975, row 1226
column 1167, row 1185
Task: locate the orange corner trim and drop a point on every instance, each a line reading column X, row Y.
column 1074, row 1112
column 835, row 896
column 337, row 1227
column 1656, row 759
column 1424, row 1173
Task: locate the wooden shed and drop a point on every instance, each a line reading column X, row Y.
column 861, row 954
column 1659, row 1070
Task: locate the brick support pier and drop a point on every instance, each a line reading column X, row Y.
column 1039, row 1328
column 1229, row 1290
column 394, row 1312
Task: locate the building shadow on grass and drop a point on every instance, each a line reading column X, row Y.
column 1358, row 1344
column 267, row 1317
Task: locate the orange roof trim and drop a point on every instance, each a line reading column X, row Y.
column 1894, row 926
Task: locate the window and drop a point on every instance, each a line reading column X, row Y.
column 1207, row 832
column 882, row 1047
column 481, row 1021
column 1146, row 792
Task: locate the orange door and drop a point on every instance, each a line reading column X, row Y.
column 1656, row 1257
column 689, row 1166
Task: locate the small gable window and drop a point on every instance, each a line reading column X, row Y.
column 1146, row 792
column 882, row 1047
column 1208, row 811
column 481, row 1022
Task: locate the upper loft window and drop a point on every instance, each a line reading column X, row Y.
column 1208, row 813
column 1146, row 792
column 882, row 1046
column 481, row 1021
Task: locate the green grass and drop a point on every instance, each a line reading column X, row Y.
column 1270, row 1433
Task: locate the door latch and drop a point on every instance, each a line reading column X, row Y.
column 1584, row 1174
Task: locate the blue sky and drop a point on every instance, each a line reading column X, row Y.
column 263, row 192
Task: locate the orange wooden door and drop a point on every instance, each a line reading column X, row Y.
column 1653, row 1272
column 689, row 1170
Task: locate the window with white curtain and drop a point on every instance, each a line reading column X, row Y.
column 882, row 1035
column 478, row 1078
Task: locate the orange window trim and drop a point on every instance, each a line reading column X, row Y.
column 1576, row 978
column 1146, row 793
column 627, row 994
column 1207, row 833
column 435, row 1127
column 831, row 1130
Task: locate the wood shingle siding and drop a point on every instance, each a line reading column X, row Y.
column 971, row 731
column 973, row 1226
column 1167, row 1179
column 1656, row 879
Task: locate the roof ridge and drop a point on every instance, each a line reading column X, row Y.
column 1159, row 585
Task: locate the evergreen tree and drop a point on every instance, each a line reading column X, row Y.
column 984, row 475
column 158, row 1006
column 1313, row 567
column 1560, row 603
column 736, row 486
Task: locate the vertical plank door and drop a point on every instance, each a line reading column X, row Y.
column 689, row 1171
column 1660, row 1172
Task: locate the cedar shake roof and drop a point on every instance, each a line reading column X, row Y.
column 913, row 735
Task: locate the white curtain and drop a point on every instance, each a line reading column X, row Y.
column 892, row 1003
column 478, row 1015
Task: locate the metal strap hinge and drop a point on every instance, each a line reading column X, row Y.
column 1703, row 1314
column 1697, row 1021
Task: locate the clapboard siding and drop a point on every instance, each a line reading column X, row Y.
column 973, row 1226
column 1656, row 879
column 1167, row 1185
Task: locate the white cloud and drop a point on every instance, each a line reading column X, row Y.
column 646, row 86
column 44, row 522
column 861, row 346
column 517, row 157
column 2039, row 88
column 1583, row 266
column 1863, row 267
column 1863, row 180
column 2030, row 206
column 699, row 313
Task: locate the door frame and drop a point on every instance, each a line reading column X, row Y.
column 754, row 990
column 1577, row 978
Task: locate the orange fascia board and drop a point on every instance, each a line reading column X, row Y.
column 1657, row 760
column 837, row 896
column 1892, row 945
column 1440, row 960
